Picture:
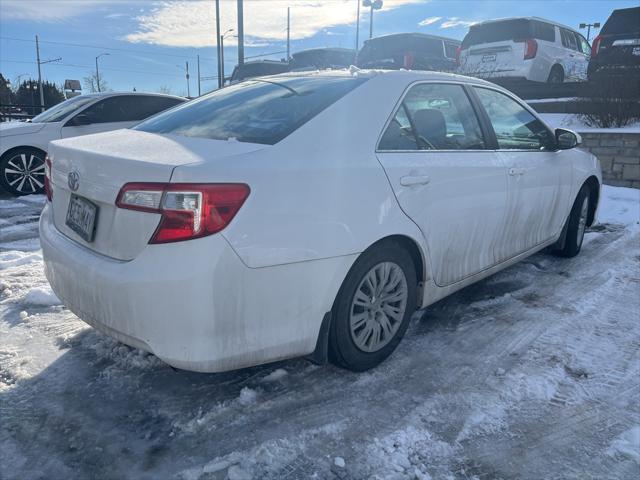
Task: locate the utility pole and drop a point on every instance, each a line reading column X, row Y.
column 188, row 87
column 588, row 27
column 240, row 33
column 218, row 43
column 98, row 72
column 358, row 28
column 289, row 33
column 39, row 75
column 222, row 57
column 198, row 56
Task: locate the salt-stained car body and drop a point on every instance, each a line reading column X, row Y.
column 528, row 48
column 306, row 214
column 23, row 145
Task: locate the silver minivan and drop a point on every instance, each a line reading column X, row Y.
column 529, row 48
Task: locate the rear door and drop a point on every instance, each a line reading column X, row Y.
column 539, row 179
column 446, row 178
column 571, row 59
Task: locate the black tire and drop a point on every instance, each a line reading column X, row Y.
column 343, row 350
column 556, row 75
column 574, row 228
column 22, row 171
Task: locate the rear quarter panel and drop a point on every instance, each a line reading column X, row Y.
column 320, row 192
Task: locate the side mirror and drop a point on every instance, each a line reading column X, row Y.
column 566, row 139
column 80, row 119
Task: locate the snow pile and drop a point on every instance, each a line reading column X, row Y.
column 619, row 205
column 123, row 356
column 572, row 121
column 247, row 396
column 41, row 297
column 277, row 374
column 15, row 258
column 627, row 445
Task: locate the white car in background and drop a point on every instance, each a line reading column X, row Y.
column 23, row 145
column 293, row 215
column 530, row 48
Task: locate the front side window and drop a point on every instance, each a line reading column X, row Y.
column 434, row 117
column 257, row 111
column 514, row 126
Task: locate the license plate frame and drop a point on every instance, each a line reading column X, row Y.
column 82, row 216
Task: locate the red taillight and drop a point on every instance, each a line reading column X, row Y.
column 530, row 48
column 595, row 47
column 458, row 50
column 189, row 210
column 47, row 178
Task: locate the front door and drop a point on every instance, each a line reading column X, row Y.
column 539, row 179
column 446, row 180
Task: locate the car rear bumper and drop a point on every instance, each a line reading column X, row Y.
column 194, row 304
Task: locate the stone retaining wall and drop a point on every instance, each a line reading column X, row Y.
column 619, row 155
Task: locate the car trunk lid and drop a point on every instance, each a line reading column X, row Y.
column 95, row 168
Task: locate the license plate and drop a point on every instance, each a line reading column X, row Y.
column 489, row 58
column 81, row 217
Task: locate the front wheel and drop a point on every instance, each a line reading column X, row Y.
column 22, row 171
column 576, row 225
column 373, row 308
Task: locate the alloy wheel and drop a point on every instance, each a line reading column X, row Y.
column 25, row 173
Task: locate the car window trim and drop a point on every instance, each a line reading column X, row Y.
column 523, row 105
column 400, row 104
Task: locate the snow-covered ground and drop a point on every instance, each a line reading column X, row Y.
column 533, row 373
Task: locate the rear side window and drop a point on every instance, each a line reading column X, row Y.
column 257, row 111
column 434, row 117
column 514, row 126
column 498, row 32
column 544, row 31
column 146, row 106
column 622, row 21
column 568, row 39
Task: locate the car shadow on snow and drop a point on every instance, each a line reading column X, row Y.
column 105, row 410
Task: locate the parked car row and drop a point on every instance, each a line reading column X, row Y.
column 525, row 48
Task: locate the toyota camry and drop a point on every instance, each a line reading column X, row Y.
column 306, row 214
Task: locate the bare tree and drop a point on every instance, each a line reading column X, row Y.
column 165, row 89
column 91, row 84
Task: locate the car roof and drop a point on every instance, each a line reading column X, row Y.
column 408, row 75
column 141, row 94
column 411, row 34
column 539, row 19
column 325, row 49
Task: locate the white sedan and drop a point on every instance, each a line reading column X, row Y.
column 23, row 145
column 306, row 214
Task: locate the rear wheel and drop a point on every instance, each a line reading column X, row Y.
column 22, row 171
column 373, row 308
column 576, row 225
column 556, row 76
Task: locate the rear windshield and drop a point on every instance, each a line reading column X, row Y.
column 498, row 32
column 393, row 49
column 257, row 111
column 250, row 70
column 322, row 59
column 623, row 21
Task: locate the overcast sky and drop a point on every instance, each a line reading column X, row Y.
column 149, row 41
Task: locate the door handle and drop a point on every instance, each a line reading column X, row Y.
column 411, row 180
column 516, row 171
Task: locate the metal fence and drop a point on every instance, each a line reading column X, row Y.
column 14, row 111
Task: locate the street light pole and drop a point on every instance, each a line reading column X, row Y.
column 240, row 33
column 358, row 28
column 588, row 27
column 98, row 72
column 39, row 75
column 288, row 33
column 375, row 5
column 222, row 51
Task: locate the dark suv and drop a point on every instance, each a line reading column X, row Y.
column 413, row 51
column 616, row 51
column 322, row 58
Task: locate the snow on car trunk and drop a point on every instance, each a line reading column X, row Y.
column 89, row 172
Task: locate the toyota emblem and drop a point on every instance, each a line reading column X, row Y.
column 74, row 180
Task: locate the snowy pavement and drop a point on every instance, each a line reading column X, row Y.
column 533, row 373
